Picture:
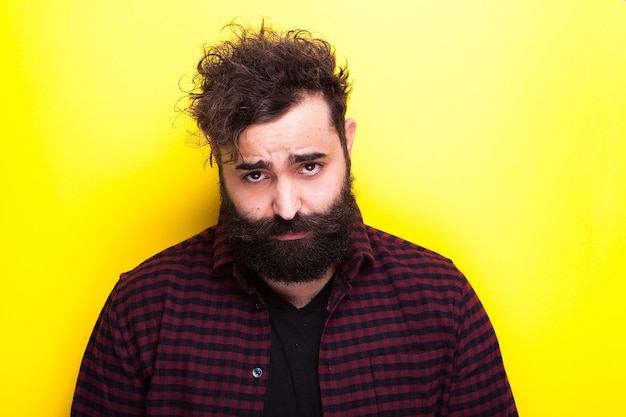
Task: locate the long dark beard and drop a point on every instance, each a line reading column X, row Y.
column 291, row 261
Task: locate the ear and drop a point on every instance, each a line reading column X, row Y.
column 350, row 129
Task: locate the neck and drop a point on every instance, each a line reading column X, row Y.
column 299, row 294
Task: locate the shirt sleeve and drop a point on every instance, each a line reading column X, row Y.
column 479, row 383
column 109, row 382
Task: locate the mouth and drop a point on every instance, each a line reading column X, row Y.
column 291, row 235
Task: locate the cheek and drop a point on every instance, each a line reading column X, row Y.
column 321, row 196
column 250, row 203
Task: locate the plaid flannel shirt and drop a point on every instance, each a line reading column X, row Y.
column 185, row 334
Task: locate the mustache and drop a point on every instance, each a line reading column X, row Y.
column 249, row 230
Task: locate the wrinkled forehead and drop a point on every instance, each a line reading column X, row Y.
column 305, row 129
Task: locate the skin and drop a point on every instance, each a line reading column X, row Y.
column 294, row 164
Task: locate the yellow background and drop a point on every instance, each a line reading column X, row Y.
column 491, row 131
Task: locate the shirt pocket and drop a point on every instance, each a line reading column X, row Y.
column 408, row 384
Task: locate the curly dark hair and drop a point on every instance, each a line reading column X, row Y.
column 257, row 77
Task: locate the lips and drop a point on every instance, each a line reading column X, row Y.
column 291, row 235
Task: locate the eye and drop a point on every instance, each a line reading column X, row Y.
column 310, row 168
column 254, row 176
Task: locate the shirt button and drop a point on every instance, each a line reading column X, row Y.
column 257, row 372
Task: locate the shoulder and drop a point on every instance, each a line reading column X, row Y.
column 402, row 282
column 414, row 267
column 172, row 272
column 394, row 251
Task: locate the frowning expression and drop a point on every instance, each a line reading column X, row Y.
column 294, row 164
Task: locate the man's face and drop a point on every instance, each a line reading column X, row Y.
column 287, row 203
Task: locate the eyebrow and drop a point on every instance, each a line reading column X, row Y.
column 251, row 166
column 293, row 159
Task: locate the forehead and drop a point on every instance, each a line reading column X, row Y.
column 305, row 128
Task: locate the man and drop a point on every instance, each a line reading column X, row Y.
column 290, row 305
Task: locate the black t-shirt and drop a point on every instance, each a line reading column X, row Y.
column 293, row 388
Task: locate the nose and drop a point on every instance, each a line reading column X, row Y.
column 287, row 201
